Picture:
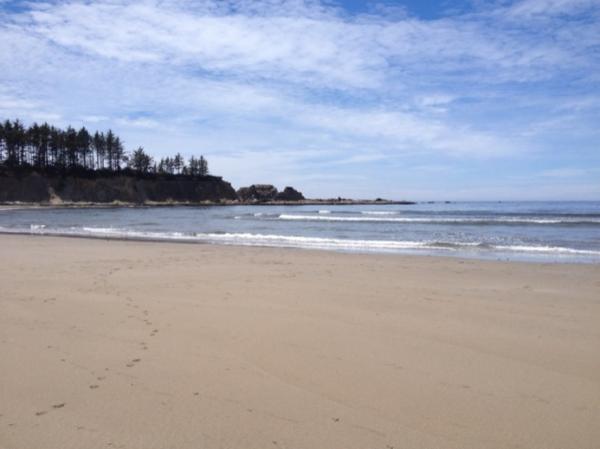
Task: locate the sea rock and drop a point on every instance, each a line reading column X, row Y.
column 289, row 194
column 257, row 193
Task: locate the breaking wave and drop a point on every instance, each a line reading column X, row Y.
column 291, row 241
column 381, row 217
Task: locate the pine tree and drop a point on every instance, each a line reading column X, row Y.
column 44, row 146
column 2, row 142
column 20, row 141
column 71, row 147
column 44, row 141
column 140, row 161
column 178, row 163
column 99, row 146
column 203, row 166
column 10, row 144
column 119, row 154
column 33, row 144
column 84, row 141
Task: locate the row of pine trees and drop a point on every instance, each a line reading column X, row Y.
column 47, row 147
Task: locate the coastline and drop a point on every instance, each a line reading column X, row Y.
column 242, row 241
column 308, row 202
column 161, row 344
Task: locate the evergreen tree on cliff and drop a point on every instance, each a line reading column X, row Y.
column 84, row 141
column 203, row 167
column 99, row 147
column 20, row 142
column 119, row 154
column 140, row 161
column 44, row 146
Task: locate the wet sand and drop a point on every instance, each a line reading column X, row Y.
column 111, row 344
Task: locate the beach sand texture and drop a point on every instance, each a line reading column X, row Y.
column 110, row 344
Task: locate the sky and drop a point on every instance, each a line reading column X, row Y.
column 419, row 100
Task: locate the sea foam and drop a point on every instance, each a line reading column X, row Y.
column 302, row 242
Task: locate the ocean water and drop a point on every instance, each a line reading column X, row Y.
column 536, row 231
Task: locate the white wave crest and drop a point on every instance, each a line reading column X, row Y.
column 287, row 241
column 545, row 249
column 379, row 212
column 441, row 220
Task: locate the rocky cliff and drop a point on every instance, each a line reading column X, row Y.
column 31, row 186
column 262, row 193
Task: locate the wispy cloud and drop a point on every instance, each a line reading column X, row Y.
column 290, row 83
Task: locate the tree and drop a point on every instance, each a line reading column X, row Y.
column 140, row 161
column 110, row 149
column 71, row 147
column 203, row 166
column 2, row 142
column 33, row 144
column 84, row 141
column 57, row 148
column 10, row 144
column 45, row 146
column 119, row 155
column 19, row 140
column 99, row 147
column 170, row 165
column 178, row 163
column 198, row 166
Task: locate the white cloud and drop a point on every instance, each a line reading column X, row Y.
column 550, row 7
column 299, row 42
column 299, row 82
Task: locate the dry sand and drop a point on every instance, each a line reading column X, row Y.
column 151, row 345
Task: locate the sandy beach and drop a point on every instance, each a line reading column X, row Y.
column 113, row 344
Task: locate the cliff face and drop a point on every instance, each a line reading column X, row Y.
column 41, row 188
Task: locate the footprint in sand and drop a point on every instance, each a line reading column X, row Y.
column 43, row 412
column 133, row 362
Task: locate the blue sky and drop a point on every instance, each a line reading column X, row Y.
column 406, row 100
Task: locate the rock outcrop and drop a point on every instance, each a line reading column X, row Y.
column 257, row 193
column 37, row 187
column 262, row 193
column 289, row 194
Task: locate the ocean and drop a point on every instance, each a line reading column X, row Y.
column 528, row 231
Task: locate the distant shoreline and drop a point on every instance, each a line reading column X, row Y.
column 310, row 202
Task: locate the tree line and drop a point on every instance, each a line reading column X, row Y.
column 47, row 147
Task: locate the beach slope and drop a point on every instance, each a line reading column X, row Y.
column 112, row 344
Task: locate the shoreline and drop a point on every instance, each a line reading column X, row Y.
column 82, row 205
column 210, row 345
column 460, row 255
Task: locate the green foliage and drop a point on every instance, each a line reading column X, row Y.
column 140, row 161
column 44, row 146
